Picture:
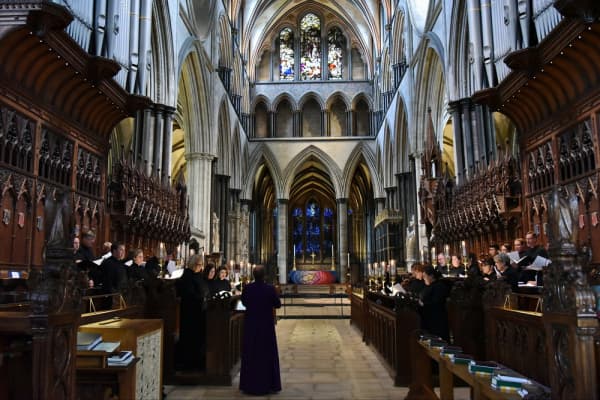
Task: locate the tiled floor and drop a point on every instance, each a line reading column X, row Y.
column 319, row 359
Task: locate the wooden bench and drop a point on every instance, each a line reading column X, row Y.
column 422, row 385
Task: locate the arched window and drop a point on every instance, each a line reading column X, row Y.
column 286, row 54
column 310, row 47
column 313, row 231
column 335, row 53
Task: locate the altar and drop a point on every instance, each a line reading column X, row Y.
column 313, row 277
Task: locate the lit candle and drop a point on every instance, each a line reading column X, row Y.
column 433, row 255
column 332, row 250
column 348, row 258
column 422, row 255
column 447, row 250
column 463, row 248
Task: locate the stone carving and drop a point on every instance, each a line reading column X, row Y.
column 215, row 233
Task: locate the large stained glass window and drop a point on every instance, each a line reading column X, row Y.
column 310, row 47
column 286, row 54
column 336, row 45
column 313, row 230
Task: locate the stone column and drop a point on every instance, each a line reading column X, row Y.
column 342, row 228
column 199, row 167
column 167, row 145
column 148, row 141
column 158, row 140
column 297, row 131
column 282, row 238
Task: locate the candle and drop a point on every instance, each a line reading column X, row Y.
column 332, row 250
column 422, row 255
column 348, row 258
column 370, row 269
column 463, row 248
column 433, row 255
column 447, row 250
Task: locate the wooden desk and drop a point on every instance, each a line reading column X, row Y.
column 144, row 338
column 102, row 382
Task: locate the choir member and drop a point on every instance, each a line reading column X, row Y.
column 433, row 301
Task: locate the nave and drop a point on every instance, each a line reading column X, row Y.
column 320, row 359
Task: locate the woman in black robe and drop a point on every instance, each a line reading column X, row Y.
column 433, row 299
column 193, row 291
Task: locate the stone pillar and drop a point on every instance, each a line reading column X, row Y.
column 167, row 146
column 350, row 122
column 282, row 238
column 199, row 167
column 158, row 139
column 324, row 123
column 148, row 141
column 342, row 225
column 297, row 131
column 454, row 109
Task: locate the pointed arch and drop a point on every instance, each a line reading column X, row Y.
column 334, row 96
column 284, row 96
column 223, row 139
column 194, row 115
column 161, row 85
column 236, row 160
column 312, row 152
column 311, row 95
column 225, row 45
column 388, row 157
column 402, row 144
column 362, row 152
column 262, row 155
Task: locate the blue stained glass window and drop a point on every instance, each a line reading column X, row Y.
column 297, row 212
column 328, row 212
column 286, row 54
column 310, row 50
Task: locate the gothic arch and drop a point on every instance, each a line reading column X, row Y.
column 459, row 78
column 402, row 144
column 194, row 115
column 398, row 55
column 312, row 152
column 223, row 139
column 311, row 95
column 262, row 154
column 431, row 91
column 388, row 157
column 359, row 153
column 261, row 99
column 334, row 96
column 162, row 84
column 361, row 96
column 284, row 96
column 225, row 46
column 236, row 160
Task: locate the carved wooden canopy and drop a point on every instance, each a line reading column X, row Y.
column 41, row 61
column 561, row 70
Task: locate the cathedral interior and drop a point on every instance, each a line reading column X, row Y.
column 333, row 142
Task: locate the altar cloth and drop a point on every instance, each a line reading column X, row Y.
column 313, row 277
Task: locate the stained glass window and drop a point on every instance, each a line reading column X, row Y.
column 336, row 45
column 310, row 50
column 286, row 54
column 298, row 231
column 313, row 228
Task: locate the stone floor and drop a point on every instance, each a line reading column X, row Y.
column 319, row 359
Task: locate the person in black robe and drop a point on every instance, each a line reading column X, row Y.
column 193, row 291
column 510, row 275
column 136, row 271
column 416, row 284
column 433, row 300
column 221, row 283
column 259, row 373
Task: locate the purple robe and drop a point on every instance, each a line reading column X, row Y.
column 260, row 360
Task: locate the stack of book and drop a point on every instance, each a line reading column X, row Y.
column 120, row 359
column 509, row 382
column 432, row 341
column 485, row 368
column 460, row 358
column 447, row 350
column 87, row 340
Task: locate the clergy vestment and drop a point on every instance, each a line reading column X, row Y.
column 260, row 360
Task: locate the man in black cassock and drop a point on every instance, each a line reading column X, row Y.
column 259, row 373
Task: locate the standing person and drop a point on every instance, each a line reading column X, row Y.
column 193, row 291
column 433, row 302
column 259, row 373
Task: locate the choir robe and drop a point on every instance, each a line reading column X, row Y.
column 259, row 373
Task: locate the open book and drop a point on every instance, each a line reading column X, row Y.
column 514, row 257
column 538, row 264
